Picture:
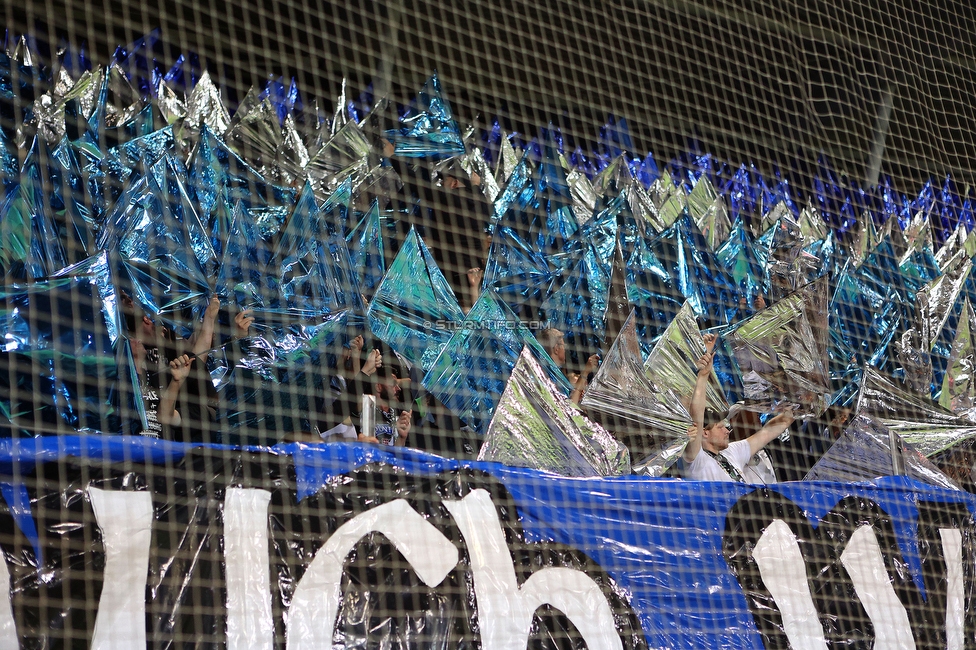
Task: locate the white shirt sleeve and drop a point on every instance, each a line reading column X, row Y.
column 739, row 453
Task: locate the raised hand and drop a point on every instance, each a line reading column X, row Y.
column 179, row 368
column 704, row 363
column 403, row 427
column 242, row 324
column 374, row 360
column 592, row 363
column 710, row 341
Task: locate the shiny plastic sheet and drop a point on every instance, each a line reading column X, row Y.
column 414, row 310
column 867, row 450
column 926, row 425
column 205, row 106
column 782, row 354
column 646, row 417
column 365, row 243
column 534, row 426
column 346, row 156
column 671, row 364
column 516, row 270
column 428, row 129
column 708, row 210
column 59, row 366
column 959, row 385
column 696, row 272
column 471, row 372
column 255, row 132
column 738, row 255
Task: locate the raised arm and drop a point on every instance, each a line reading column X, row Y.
column 167, row 414
column 203, row 339
column 771, row 430
column 698, row 400
column 579, row 387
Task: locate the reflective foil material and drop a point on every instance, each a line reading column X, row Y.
column 428, row 129
column 782, row 354
column 708, row 210
column 648, row 418
column 959, row 385
column 471, row 372
column 867, row 450
column 671, row 364
column 205, row 106
column 365, row 243
column 929, row 427
column 536, row 427
column 414, row 310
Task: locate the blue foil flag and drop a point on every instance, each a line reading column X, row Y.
column 244, row 278
column 471, row 372
column 168, row 183
column 428, row 130
column 316, row 276
column 215, row 170
column 515, row 185
column 59, row 364
column 517, row 272
column 536, row 427
column 366, row 251
column 695, row 271
column 578, row 301
column 414, row 310
column 738, row 255
column 652, row 292
column 159, row 260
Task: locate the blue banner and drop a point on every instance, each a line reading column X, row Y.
column 122, row 542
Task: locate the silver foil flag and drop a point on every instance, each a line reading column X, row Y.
column 929, row 427
column 782, row 354
column 536, row 427
column 708, row 210
column 584, row 196
column 671, row 363
column 508, row 160
column 345, row 156
column 205, row 106
column 812, row 226
column 956, row 241
column 959, row 384
column 480, row 174
column 915, row 362
column 647, row 418
column 936, row 300
column 870, row 450
column 414, row 310
column 471, row 372
column 254, row 132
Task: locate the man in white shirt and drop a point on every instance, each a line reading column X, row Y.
column 709, row 456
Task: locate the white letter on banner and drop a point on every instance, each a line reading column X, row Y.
column 249, row 622
column 784, row 573
column 864, row 563
column 505, row 611
column 125, row 519
column 955, row 596
column 8, row 628
column 315, row 604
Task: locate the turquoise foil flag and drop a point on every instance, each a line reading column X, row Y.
column 414, row 310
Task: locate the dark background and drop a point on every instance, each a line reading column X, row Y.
column 760, row 81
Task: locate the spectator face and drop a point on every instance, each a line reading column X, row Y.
column 717, row 436
column 559, row 352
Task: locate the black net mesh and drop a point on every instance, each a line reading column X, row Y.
column 526, row 324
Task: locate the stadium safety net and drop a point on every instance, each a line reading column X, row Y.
column 522, row 324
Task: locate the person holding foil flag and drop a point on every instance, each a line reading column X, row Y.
column 709, row 456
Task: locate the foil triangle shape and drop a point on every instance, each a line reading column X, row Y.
column 696, row 272
column 204, row 105
column 366, row 250
column 671, row 363
column 738, row 255
column 781, row 352
column 414, row 309
column 647, row 418
column 925, row 424
column 959, row 383
column 471, row 372
column 536, row 427
column 517, row 272
column 428, row 129
column 868, row 450
column 243, row 278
